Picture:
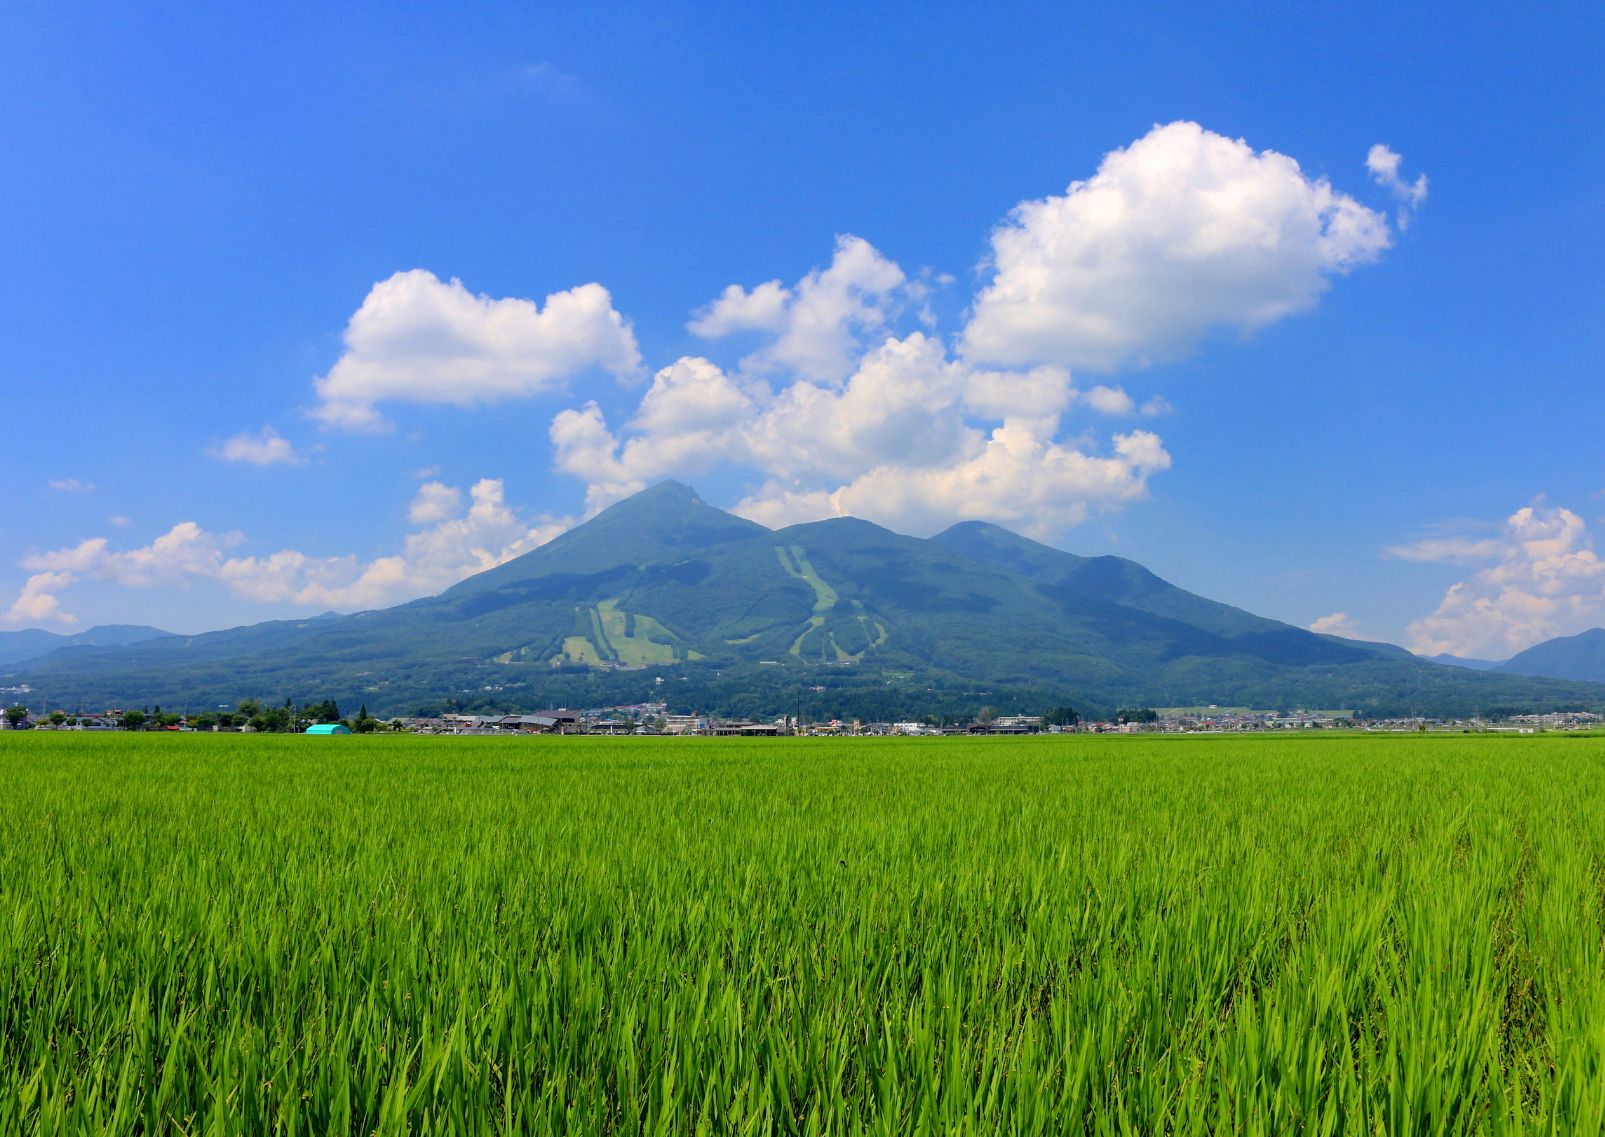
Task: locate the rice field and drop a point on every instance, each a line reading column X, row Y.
column 257, row 934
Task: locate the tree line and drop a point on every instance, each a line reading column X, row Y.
column 291, row 718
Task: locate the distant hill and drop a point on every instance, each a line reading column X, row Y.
column 29, row 643
column 664, row 596
column 1566, row 657
column 1463, row 661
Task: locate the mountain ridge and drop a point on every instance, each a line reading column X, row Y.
column 1580, row 657
column 30, row 643
column 663, row 594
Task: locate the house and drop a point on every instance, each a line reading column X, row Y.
column 328, row 728
column 556, row 722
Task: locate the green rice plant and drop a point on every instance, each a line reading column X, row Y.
column 258, row 934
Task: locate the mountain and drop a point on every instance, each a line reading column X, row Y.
column 1566, row 657
column 1464, row 661
column 662, row 523
column 30, row 643
column 1113, row 579
column 662, row 596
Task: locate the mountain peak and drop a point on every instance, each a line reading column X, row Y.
column 666, row 490
column 663, row 521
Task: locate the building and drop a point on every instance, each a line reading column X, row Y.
column 328, row 728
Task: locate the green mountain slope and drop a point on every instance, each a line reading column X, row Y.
column 1114, row 579
column 664, row 596
column 1566, row 657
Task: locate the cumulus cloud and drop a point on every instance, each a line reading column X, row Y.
column 818, row 324
column 1037, row 393
column 1179, row 233
column 691, row 417
column 1017, row 476
column 450, row 544
column 905, row 440
column 1384, row 166
column 434, row 502
column 1540, row 578
column 419, row 339
column 1110, row 400
column 737, row 310
column 71, row 485
column 1336, row 624
column 266, row 447
column 37, row 603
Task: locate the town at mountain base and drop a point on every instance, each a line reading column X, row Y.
column 664, row 597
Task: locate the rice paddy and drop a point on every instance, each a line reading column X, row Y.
column 257, row 934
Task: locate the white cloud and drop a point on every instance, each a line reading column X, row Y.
column 1384, row 166
column 841, row 410
column 1337, row 624
column 1016, row 477
column 1455, row 550
column 421, row 340
column 264, row 448
column 901, row 406
column 912, row 438
column 1110, row 401
column 435, row 501
column 691, row 417
column 119, row 520
column 737, row 310
column 1181, row 232
column 451, row 545
column 818, row 325
column 1541, row 579
column 1037, row 393
column 71, row 485
column 37, row 603
column 433, row 558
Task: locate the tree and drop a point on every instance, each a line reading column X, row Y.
column 1136, row 714
column 132, row 720
column 1062, row 716
column 15, row 714
column 57, row 717
column 249, row 709
column 366, row 723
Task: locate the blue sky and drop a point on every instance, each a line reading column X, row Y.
column 243, row 385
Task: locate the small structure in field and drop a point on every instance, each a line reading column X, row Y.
column 328, row 728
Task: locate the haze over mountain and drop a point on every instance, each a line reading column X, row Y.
column 1565, row 657
column 29, row 643
column 1463, row 661
column 664, row 596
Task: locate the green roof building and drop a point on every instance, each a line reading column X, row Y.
column 329, row 728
